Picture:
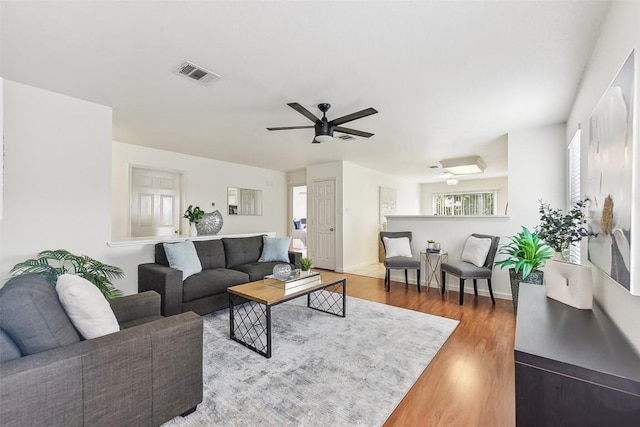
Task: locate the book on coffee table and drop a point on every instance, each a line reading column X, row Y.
column 297, row 278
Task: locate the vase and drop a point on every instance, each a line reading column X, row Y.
column 569, row 283
column 535, row 277
column 193, row 230
column 210, row 224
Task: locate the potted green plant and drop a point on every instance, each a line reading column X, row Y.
column 193, row 215
column 52, row 263
column 305, row 264
column 559, row 230
column 526, row 253
column 566, row 280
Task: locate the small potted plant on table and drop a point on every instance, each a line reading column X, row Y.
column 527, row 254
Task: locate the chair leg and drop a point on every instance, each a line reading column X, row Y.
column 406, row 277
column 475, row 286
column 387, row 280
column 418, row 278
column 461, row 290
column 442, row 281
column 493, row 300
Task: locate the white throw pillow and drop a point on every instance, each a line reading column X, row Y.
column 475, row 250
column 85, row 305
column 184, row 257
column 399, row 246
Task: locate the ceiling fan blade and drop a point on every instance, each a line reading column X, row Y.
column 353, row 132
column 300, row 109
column 291, row 127
column 353, row 116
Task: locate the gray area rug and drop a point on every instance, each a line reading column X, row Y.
column 324, row 370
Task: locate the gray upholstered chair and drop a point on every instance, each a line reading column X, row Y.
column 144, row 375
column 465, row 270
column 399, row 262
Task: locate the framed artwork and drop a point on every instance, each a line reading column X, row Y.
column 387, row 203
column 614, row 196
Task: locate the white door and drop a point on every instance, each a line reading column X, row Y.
column 323, row 224
column 155, row 202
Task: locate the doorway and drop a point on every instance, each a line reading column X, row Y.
column 299, row 219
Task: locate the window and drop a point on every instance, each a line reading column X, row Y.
column 464, row 204
column 574, row 186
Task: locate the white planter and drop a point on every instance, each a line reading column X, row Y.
column 569, row 283
column 193, row 231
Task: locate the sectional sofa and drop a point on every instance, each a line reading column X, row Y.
column 225, row 262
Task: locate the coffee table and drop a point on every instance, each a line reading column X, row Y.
column 250, row 307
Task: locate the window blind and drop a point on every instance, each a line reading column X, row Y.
column 465, row 204
column 574, row 185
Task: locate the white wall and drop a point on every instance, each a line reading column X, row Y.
column 501, row 185
column 205, row 182
column 57, row 175
column 537, row 171
column 620, row 34
column 361, row 211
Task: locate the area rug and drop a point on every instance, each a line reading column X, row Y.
column 324, row 370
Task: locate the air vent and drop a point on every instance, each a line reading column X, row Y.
column 346, row 137
column 434, row 167
column 197, row 73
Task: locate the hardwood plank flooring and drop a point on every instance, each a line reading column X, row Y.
column 470, row 382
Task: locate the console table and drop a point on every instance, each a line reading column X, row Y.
column 572, row 367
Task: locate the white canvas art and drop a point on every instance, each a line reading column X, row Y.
column 387, row 203
column 610, row 186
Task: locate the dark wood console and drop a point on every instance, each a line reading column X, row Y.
column 573, row 367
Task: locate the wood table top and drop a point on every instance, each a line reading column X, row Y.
column 269, row 295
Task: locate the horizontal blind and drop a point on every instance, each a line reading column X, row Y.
column 464, row 204
column 574, row 186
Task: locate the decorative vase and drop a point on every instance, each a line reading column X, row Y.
column 193, row 230
column 210, row 224
column 282, row 271
column 557, row 256
column 569, row 283
column 535, row 277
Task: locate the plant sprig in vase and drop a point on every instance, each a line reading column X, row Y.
column 558, row 229
column 193, row 214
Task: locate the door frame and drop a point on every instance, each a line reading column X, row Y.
column 182, row 197
column 311, row 218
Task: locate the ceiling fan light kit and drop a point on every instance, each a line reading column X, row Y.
column 324, row 128
column 464, row 165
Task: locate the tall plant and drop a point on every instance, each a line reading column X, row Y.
column 526, row 253
column 50, row 264
column 558, row 229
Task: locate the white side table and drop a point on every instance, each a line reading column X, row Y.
column 432, row 263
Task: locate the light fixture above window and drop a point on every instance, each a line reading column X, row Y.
column 452, row 181
column 464, row 165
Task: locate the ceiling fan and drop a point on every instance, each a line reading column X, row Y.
column 324, row 127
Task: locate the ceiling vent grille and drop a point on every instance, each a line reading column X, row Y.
column 346, row 137
column 197, row 73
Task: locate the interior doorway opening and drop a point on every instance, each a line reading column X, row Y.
column 299, row 223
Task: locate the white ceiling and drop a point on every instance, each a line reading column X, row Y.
column 449, row 78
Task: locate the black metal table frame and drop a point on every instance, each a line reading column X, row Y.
column 263, row 311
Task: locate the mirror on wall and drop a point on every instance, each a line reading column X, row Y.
column 244, row 201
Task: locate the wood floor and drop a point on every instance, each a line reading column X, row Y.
column 470, row 382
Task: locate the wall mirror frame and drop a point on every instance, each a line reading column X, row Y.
column 244, row 201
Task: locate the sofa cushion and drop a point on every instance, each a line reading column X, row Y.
column 32, row 316
column 85, row 305
column 242, row 250
column 183, row 256
column 8, row 349
column 160, row 255
column 275, row 249
column 211, row 253
column 211, row 282
column 257, row 270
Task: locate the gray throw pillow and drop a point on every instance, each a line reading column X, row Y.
column 32, row 316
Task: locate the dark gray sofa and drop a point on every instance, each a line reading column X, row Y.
column 144, row 375
column 225, row 262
